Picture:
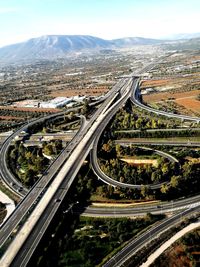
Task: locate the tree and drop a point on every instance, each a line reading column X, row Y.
column 165, row 168
column 108, row 146
column 119, row 150
column 164, row 188
column 144, row 191
column 175, row 181
column 29, row 177
column 48, row 150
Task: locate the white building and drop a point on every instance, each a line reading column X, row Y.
column 79, row 98
column 56, row 102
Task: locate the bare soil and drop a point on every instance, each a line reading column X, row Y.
column 96, row 91
column 30, row 109
column 156, row 97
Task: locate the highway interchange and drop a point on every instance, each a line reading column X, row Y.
column 75, row 158
column 65, row 169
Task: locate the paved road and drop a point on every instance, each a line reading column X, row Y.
column 142, row 209
column 39, row 188
column 160, row 130
column 7, row 177
column 110, row 181
column 158, row 143
column 168, row 243
column 135, row 99
column 83, row 139
column 138, row 243
column 102, row 117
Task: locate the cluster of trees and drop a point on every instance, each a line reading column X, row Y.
column 52, row 148
column 22, row 113
column 78, row 240
column 112, row 165
column 27, row 163
column 156, row 134
column 181, row 178
column 100, row 237
column 128, row 120
column 9, row 125
column 183, row 183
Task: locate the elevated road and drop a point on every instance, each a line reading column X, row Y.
column 110, row 181
column 22, row 247
column 67, row 173
column 7, row 177
column 39, row 188
column 138, row 243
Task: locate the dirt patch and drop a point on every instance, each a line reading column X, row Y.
column 96, row 91
column 175, row 257
column 141, row 162
column 170, row 95
column 52, row 110
column 155, row 83
column 189, row 103
column 169, row 82
column 123, row 205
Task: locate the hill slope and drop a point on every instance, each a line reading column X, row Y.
column 131, row 41
column 58, row 46
column 51, row 46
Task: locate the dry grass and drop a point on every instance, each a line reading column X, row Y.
column 53, row 110
column 96, row 91
column 189, row 103
column 175, row 257
column 137, row 162
column 167, row 95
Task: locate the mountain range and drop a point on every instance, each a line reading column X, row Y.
column 59, row 46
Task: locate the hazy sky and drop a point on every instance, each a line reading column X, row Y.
column 24, row 19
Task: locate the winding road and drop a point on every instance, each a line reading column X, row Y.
column 42, row 198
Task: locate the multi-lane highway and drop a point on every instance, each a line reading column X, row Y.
column 142, row 240
column 50, row 191
column 66, row 173
column 40, row 186
column 8, row 178
column 188, row 143
column 142, row 209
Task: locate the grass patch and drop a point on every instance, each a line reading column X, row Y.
column 102, row 237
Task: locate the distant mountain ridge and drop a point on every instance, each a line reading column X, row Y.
column 130, row 41
column 184, row 36
column 58, row 46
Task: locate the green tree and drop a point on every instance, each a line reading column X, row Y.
column 164, row 188
column 144, row 191
column 174, row 182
